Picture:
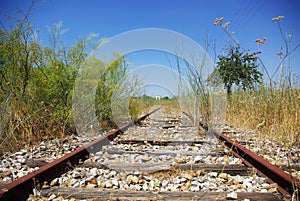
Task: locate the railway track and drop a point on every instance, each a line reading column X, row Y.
column 164, row 158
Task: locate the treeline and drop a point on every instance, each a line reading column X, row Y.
column 36, row 84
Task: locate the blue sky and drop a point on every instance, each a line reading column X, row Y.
column 250, row 19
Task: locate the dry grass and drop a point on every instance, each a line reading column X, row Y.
column 171, row 106
column 23, row 126
column 274, row 114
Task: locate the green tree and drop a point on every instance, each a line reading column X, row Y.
column 237, row 68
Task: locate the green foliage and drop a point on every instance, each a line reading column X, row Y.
column 18, row 56
column 20, row 53
column 36, row 84
column 236, row 68
column 108, row 83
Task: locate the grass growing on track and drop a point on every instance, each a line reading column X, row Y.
column 274, row 114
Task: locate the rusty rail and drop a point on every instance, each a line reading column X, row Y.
column 21, row 188
column 287, row 182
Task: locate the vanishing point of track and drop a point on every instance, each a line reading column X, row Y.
column 170, row 161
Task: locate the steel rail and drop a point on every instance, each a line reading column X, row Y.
column 21, row 188
column 287, row 182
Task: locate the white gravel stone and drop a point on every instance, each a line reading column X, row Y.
column 197, row 159
column 232, row 196
column 36, row 192
column 212, row 174
column 73, row 181
column 54, row 182
column 138, row 187
column 239, row 179
column 94, row 171
column 195, row 188
column 176, row 180
column 91, row 186
column 145, row 187
column 115, row 182
column 76, row 175
column 52, row 196
column 164, row 183
column 82, row 182
column 21, row 174
column 234, row 161
column 7, row 179
column 151, row 185
column 112, row 173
